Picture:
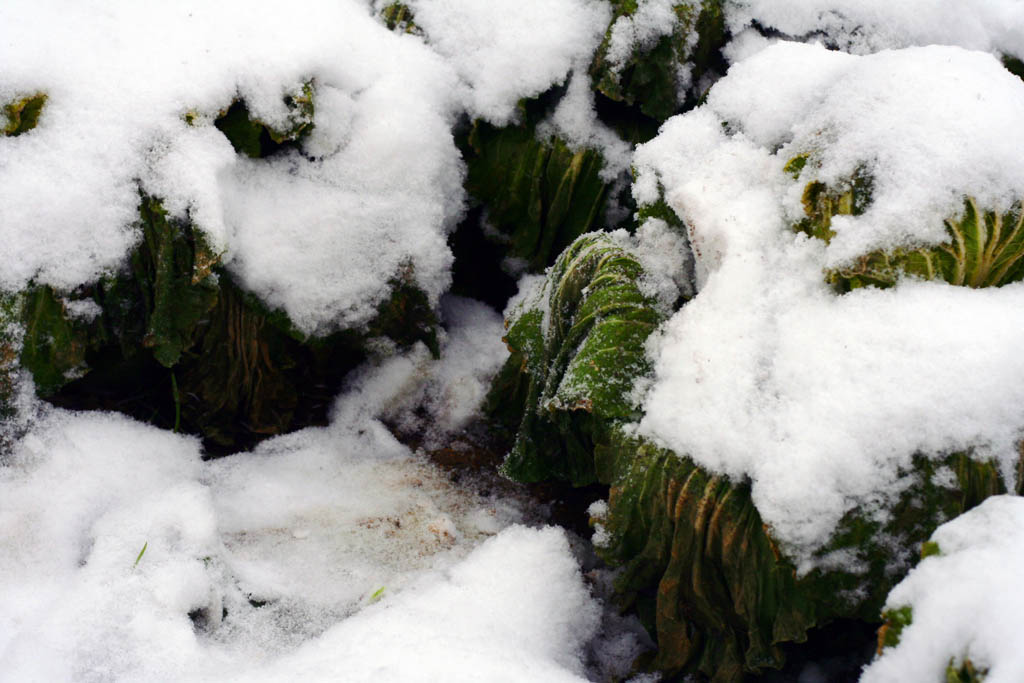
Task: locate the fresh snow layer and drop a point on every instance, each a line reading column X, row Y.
column 966, row 602
column 504, row 50
column 330, row 552
column 822, row 400
column 319, row 236
column 319, row 232
column 863, row 26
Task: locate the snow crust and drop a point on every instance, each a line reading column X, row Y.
column 862, row 26
column 320, row 554
column 966, row 602
column 821, row 401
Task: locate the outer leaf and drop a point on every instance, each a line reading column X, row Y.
column 986, row 249
column 242, row 372
column 580, row 372
column 697, row 562
column 177, row 264
column 538, row 193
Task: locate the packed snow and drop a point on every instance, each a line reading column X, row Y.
column 319, row 554
column 966, row 602
column 821, row 401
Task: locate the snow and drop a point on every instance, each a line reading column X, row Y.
column 451, row 389
column 319, row 231
column 966, row 602
column 294, row 229
column 474, row 624
column 821, row 400
column 863, row 26
column 639, row 31
column 321, row 553
column 575, row 121
column 504, row 50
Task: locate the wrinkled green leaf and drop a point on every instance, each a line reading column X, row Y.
column 696, row 560
column 539, row 195
column 582, row 370
column 985, row 249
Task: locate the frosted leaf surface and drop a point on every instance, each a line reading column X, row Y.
column 870, row 25
column 822, row 400
column 504, row 50
column 319, row 234
column 966, row 602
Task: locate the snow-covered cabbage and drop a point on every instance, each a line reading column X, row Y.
column 697, row 560
column 767, row 374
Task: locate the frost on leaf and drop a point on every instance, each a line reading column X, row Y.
column 698, row 563
column 576, row 352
